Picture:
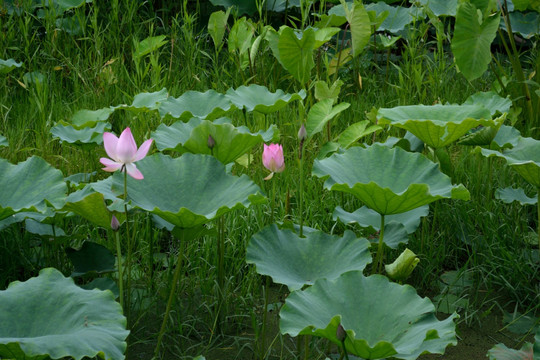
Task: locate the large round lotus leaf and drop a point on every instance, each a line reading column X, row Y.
column 230, row 142
column 186, row 191
column 259, row 98
column 526, row 25
column 524, row 158
column 398, row 16
column 436, row 125
column 295, row 261
column 208, row 105
column 30, row 186
column 389, row 181
column 49, row 316
column 85, row 135
column 382, row 319
column 144, row 102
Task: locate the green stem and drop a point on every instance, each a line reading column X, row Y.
column 345, row 350
column 380, row 249
column 129, row 249
column 221, row 272
column 538, row 226
column 301, row 196
column 273, row 196
column 262, row 339
column 306, row 347
column 171, row 295
column 120, row 273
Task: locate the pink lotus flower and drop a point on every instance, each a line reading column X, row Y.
column 123, row 152
column 273, row 159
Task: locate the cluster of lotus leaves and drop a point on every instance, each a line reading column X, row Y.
column 438, row 125
column 230, row 142
column 296, row 262
column 187, row 191
column 387, row 180
column 50, row 317
column 381, row 318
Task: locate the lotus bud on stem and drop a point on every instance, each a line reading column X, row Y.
column 211, row 143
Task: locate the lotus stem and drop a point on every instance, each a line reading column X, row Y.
column 538, row 226
column 262, row 334
column 344, row 350
column 120, row 273
column 221, row 271
column 380, row 249
column 171, row 295
column 301, row 196
column 129, row 249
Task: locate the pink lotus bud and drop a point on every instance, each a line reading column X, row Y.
column 211, row 142
column 302, row 133
column 115, row 224
column 340, row 333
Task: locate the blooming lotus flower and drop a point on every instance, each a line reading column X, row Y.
column 273, row 159
column 123, row 152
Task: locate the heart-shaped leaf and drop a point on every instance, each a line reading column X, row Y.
column 321, row 113
column 296, row 52
column 389, row 181
column 357, row 131
column 148, row 45
column 437, row 125
column 50, row 317
column 524, row 158
column 295, row 261
column 359, row 21
column 30, row 186
column 382, row 319
column 187, row 191
column 472, row 40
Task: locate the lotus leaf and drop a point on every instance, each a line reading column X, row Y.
column 491, row 101
column 382, row 319
column 365, row 217
column 441, row 7
column 509, row 195
column 21, row 216
column 49, row 316
column 230, row 142
column 506, row 137
column 186, row 191
column 389, row 181
column 90, row 258
column 501, row 352
column 208, row 105
column 47, row 230
column 91, row 205
column 398, row 16
column 70, row 24
column 526, row 25
column 524, row 158
column 88, row 118
column 84, row 135
column 437, row 125
column 259, row 98
column 295, row 261
column 536, row 348
column 3, row 141
column 31, row 185
column 8, row 65
column 146, row 101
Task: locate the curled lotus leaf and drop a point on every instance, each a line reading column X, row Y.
column 8, row 65
column 389, row 181
column 187, row 191
column 259, row 98
column 144, row 102
column 31, row 185
column 295, row 261
column 381, row 318
column 49, row 317
column 84, row 135
column 437, row 125
column 524, row 158
column 230, row 142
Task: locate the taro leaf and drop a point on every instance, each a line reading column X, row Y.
column 398, row 17
column 506, row 137
column 146, row 101
column 382, row 319
column 241, row 35
column 324, row 91
column 208, row 105
column 259, row 98
column 30, row 186
column 501, row 352
column 187, row 191
column 91, row 258
column 295, row 261
column 8, row 65
column 472, row 40
column 3, row 141
column 148, row 45
column 441, row 7
column 296, row 52
column 359, row 21
column 50, row 317
column 357, row 131
column 491, row 101
column 91, row 206
column 405, row 182
column 324, row 35
column 230, row 142
column 216, row 27
column 527, row 25
column 524, row 158
column 85, row 135
column 365, row 217
column 437, row 125
column 35, row 227
column 321, row 113
column 88, row 118
column 328, row 149
column 509, row 195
